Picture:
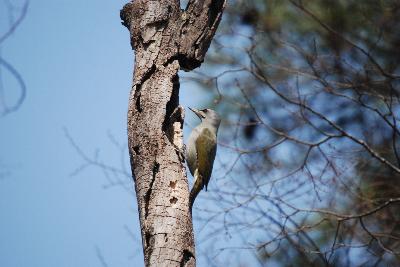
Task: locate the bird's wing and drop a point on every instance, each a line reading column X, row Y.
column 206, row 147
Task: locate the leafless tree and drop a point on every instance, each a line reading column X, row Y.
column 311, row 130
column 308, row 169
column 165, row 39
column 16, row 15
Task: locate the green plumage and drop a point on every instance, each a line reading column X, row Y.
column 206, row 147
column 201, row 149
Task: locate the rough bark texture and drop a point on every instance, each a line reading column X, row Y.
column 165, row 39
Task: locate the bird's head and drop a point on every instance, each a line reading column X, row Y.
column 208, row 116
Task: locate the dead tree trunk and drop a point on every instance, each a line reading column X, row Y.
column 165, row 39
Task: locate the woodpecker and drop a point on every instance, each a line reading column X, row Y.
column 201, row 149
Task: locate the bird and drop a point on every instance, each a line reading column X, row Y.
column 201, row 149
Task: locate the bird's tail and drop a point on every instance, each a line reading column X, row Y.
column 198, row 185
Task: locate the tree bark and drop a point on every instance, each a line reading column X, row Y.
column 165, row 39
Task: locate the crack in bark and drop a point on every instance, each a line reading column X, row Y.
column 214, row 11
column 186, row 63
column 171, row 105
column 165, row 237
column 147, row 44
column 147, row 75
column 147, row 237
column 187, row 255
column 149, row 246
column 137, row 103
column 138, row 88
column 147, row 196
column 137, row 150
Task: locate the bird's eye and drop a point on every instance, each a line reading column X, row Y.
column 204, row 110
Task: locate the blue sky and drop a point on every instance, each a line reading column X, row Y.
column 76, row 61
column 77, row 64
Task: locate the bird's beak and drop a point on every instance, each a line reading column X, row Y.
column 198, row 113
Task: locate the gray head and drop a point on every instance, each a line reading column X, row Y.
column 208, row 116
